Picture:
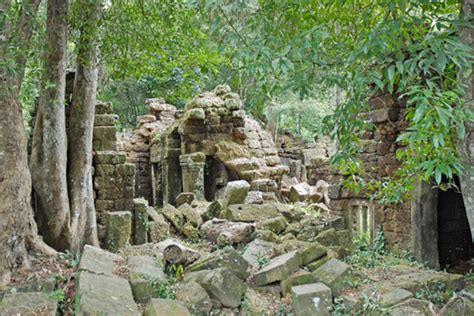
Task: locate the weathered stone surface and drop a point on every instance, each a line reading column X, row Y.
column 276, row 224
column 98, row 261
column 414, row 279
column 224, row 286
column 33, row 303
column 173, row 216
column 311, row 299
column 144, row 275
column 109, row 157
column 224, row 232
column 190, row 214
column 190, row 231
column 300, row 277
column 268, row 235
column 279, row 268
column 390, row 296
column 226, row 258
column 250, row 212
column 103, row 108
column 328, row 238
column 185, row 197
column 161, row 307
column 104, row 295
column 308, row 251
column 118, row 227
column 299, row 192
column 235, row 192
column 333, row 273
column 256, row 250
column 312, row 266
column 159, row 228
column 104, row 120
column 460, row 305
column 140, row 221
column 194, row 296
column 291, row 213
column 261, row 302
column 213, row 210
column 414, row 307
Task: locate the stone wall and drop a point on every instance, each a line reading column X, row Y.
column 113, row 176
column 379, row 147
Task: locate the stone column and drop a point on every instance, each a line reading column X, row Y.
column 192, row 172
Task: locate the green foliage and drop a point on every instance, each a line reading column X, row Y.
column 372, row 305
column 57, row 295
column 153, row 49
column 438, row 294
column 162, row 290
column 175, row 270
column 262, row 259
column 414, row 54
column 72, row 259
column 300, row 117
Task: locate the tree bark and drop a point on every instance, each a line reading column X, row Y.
column 80, row 128
column 49, row 147
column 466, row 35
column 18, row 231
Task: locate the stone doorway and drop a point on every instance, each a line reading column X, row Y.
column 441, row 231
column 455, row 247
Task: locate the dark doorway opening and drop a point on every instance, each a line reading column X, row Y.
column 455, row 246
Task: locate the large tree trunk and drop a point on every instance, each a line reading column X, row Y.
column 17, row 227
column 49, row 147
column 466, row 35
column 80, row 128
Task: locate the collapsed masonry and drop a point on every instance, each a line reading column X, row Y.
column 201, row 149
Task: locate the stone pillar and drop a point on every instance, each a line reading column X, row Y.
column 424, row 215
column 192, row 172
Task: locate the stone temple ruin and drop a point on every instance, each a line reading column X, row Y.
column 246, row 224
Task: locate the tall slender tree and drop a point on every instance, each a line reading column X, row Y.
column 80, row 127
column 49, row 147
column 466, row 35
column 18, row 232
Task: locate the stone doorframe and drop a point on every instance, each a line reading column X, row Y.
column 424, row 220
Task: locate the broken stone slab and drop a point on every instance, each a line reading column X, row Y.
column 390, row 296
column 109, row 157
column 190, row 231
column 159, row 228
column 414, row 279
column 190, row 214
column 173, row 216
column 32, row 303
column 213, row 210
column 223, row 285
column 276, row 224
column 144, row 274
column 104, row 295
column 333, row 273
column 308, row 251
column 185, row 197
column 162, row 307
column 300, row 277
column 140, row 221
column 224, row 232
column 118, row 227
column 322, row 187
column 299, row 192
column 314, row 265
column 226, row 258
column 235, row 192
column 254, row 197
column 98, row 261
column 292, row 214
column 311, row 299
column 328, row 238
column 250, row 212
column 176, row 253
column 255, row 251
column 194, row 296
column 460, row 305
column 279, row 268
column 414, row 307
